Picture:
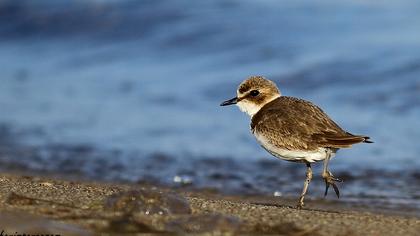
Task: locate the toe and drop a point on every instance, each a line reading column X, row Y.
column 327, row 186
column 337, row 192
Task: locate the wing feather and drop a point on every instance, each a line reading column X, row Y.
column 298, row 124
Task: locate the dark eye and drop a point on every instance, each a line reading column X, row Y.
column 254, row 93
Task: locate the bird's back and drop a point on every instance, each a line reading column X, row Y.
column 296, row 124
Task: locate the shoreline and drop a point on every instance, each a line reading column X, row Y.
column 80, row 207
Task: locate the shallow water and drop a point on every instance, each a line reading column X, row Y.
column 125, row 90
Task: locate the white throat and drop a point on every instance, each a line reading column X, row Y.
column 251, row 108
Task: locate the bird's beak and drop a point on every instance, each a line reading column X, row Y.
column 229, row 102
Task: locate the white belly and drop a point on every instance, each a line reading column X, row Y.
column 293, row 155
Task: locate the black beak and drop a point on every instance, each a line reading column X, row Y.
column 229, row 102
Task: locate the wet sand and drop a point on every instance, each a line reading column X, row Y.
column 32, row 204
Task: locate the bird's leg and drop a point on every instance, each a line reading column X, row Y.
column 329, row 178
column 305, row 185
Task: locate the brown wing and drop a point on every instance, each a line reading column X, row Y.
column 299, row 124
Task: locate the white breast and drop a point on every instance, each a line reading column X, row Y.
column 292, row 155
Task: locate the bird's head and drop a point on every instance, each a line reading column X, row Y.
column 253, row 94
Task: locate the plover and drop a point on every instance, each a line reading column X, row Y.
column 292, row 129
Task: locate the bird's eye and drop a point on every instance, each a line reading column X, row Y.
column 254, row 93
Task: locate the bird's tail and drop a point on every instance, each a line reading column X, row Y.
column 344, row 141
column 367, row 139
column 362, row 138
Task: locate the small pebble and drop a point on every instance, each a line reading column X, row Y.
column 46, row 184
column 182, row 179
column 277, row 194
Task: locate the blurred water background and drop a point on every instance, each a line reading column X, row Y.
column 130, row 90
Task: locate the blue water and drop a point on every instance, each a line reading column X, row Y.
column 145, row 78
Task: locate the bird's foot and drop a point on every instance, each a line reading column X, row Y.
column 330, row 180
column 300, row 203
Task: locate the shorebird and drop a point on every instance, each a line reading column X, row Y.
column 293, row 129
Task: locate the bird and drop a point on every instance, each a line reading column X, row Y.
column 293, row 129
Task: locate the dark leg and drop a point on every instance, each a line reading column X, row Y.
column 305, row 185
column 329, row 178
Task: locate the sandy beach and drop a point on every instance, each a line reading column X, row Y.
column 33, row 204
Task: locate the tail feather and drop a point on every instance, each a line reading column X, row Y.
column 366, row 139
column 344, row 141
